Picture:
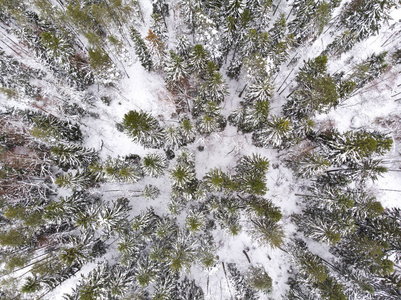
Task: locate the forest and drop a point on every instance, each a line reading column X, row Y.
column 200, row 149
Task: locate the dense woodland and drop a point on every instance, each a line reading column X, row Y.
column 79, row 220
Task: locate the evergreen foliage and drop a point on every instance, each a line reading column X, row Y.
column 364, row 18
column 250, row 175
column 73, row 156
column 242, row 288
column 141, row 50
column 316, row 91
column 51, row 129
column 275, row 133
column 62, row 207
column 154, row 164
column 259, row 279
column 144, row 129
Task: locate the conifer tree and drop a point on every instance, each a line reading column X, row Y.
column 50, row 128
column 187, row 131
column 352, row 146
column 144, row 129
column 267, row 232
column 141, row 49
column 156, row 49
column 258, row 278
column 57, row 46
column 69, row 155
column 188, row 290
column 176, row 70
column 316, row 91
column 198, row 58
column 310, row 165
column 250, row 175
column 182, row 175
column 342, row 43
column 261, row 90
column 158, row 26
column 173, row 138
column 214, row 88
column 242, row 289
column 81, row 180
column 154, row 164
column 364, row 18
column 195, row 221
column 275, row 133
column 215, row 180
column 151, row 192
column 145, row 271
column 183, row 46
column 369, row 69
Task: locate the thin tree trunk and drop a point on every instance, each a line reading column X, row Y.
column 228, row 283
column 285, row 80
column 247, row 256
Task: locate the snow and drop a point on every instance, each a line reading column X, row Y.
column 141, row 90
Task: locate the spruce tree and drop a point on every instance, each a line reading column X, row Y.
column 275, row 133
column 141, row 50
column 154, row 164
column 144, row 129
column 176, row 70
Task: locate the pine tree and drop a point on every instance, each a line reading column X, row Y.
column 256, row 115
column 50, row 128
column 198, row 58
column 183, row 46
column 144, row 129
column 121, row 170
column 260, row 90
column 182, row 176
column 281, row 41
column 146, row 271
column 325, row 226
column 369, row 69
column 81, row 180
column 158, row 26
column 99, row 60
column 57, row 46
column 258, row 278
column 156, row 49
column 165, row 287
column 173, row 138
column 187, row 131
column 309, row 265
column 215, row 180
column 310, row 18
column 176, row 70
column 154, row 164
column 352, row 146
column 151, row 192
column 195, row 221
column 267, row 232
column 242, row 289
column 141, row 49
column 275, row 133
column 73, row 156
column 111, row 218
column 215, row 88
column 182, row 254
column 364, row 18
column 310, row 165
column 342, row 43
column 251, row 171
column 316, row 91
column 31, row 285
column 188, row 290
column 209, row 117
